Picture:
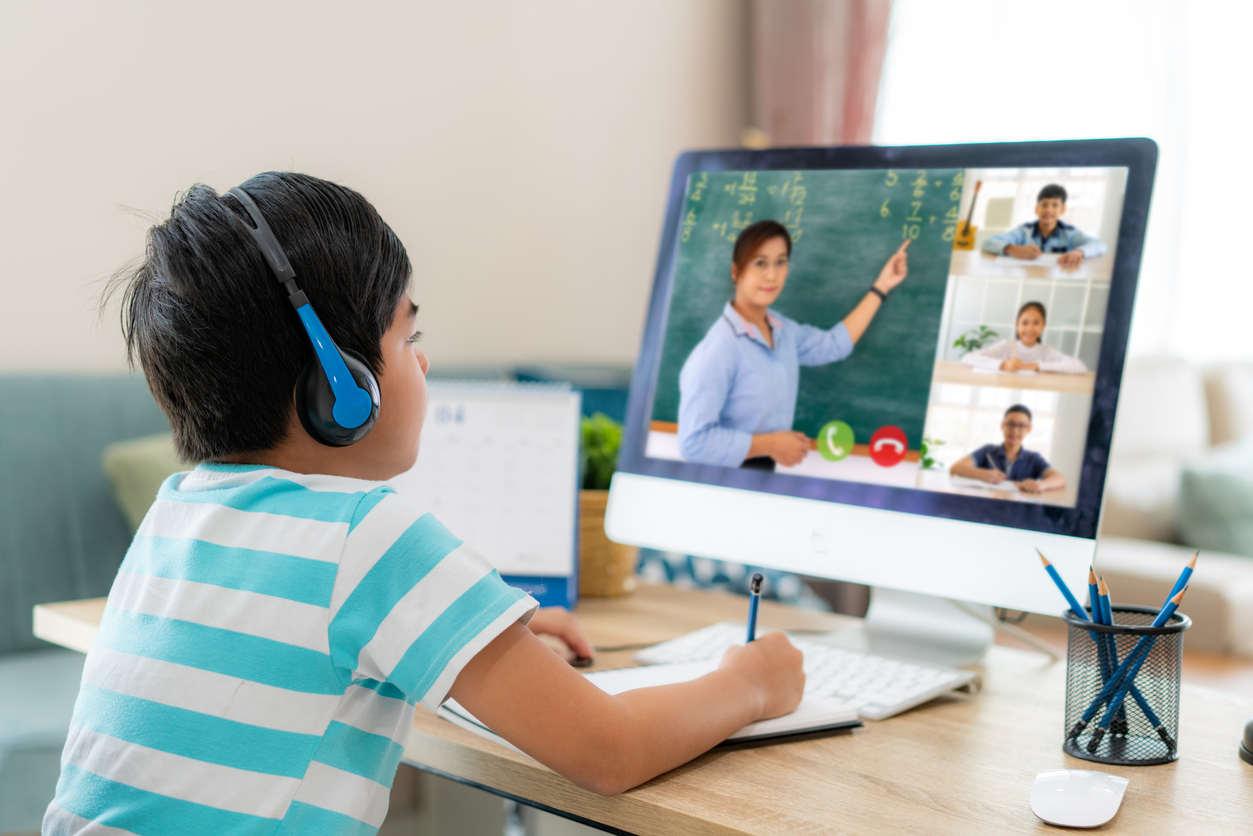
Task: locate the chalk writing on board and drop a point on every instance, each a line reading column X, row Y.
column 698, row 188
column 792, row 217
column 731, row 229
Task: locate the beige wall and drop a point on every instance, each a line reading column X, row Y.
column 521, row 150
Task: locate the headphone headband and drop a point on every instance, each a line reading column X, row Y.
column 261, row 233
column 352, row 409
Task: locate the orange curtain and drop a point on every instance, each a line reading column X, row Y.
column 815, row 69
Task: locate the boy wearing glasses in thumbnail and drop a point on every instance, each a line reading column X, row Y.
column 1010, row 461
column 1047, row 234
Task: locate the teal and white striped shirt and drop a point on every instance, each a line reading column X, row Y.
column 264, row 645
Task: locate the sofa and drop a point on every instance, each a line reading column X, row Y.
column 1184, row 436
column 61, row 537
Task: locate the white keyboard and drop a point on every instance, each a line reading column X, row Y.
column 876, row 686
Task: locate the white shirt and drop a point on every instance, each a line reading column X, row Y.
column 1049, row 358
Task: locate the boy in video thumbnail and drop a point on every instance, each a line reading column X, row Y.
column 1047, row 234
column 1010, row 461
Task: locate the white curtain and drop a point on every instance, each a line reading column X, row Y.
column 1174, row 71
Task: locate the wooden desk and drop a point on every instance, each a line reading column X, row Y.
column 955, row 371
column 977, row 263
column 939, row 480
column 955, row 765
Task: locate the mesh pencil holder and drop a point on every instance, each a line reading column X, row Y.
column 1110, row 716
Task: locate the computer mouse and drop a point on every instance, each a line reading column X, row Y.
column 1077, row 797
column 1246, row 745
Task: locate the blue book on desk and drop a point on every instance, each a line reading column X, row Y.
column 499, row 467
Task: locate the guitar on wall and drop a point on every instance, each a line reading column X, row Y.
column 965, row 238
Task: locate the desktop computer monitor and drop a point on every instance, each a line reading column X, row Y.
column 1002, row 349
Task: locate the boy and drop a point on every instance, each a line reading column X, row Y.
column 281, row 611
column 996, row 463
column 1048, row 234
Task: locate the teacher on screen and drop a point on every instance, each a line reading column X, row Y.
column 737, row 389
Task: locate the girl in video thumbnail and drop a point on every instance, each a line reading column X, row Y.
column 738, row 387
column 1025, row 353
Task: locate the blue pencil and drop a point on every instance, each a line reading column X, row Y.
column 754, row 595
column 1093, row 604
column 1107, row 612
column 1103, row 613
column 1115, row 683
column 1184, row 577
column 1098, row 616
column 1057, row 579
column 1130, row 678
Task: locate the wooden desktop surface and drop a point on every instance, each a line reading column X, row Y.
column 955, row 371
column 978, row 263
column 940, row 480
column 957, row 764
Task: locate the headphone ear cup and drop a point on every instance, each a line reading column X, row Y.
column 315, row 401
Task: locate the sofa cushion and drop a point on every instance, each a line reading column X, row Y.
column 61, row 534
column 1142, row 498
column 37, row 693
column 1216, row 500
column 1229, row 392
column 1161, row 410
column 1162, row 419
column 136, row 469
column 1220, row 594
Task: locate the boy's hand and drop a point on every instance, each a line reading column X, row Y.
column 992, row 476
column 1070, row 260
column 1027, row 252
column 1031, row 486
column 562, row 624
column 772, row 665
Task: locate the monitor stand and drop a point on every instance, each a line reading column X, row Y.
column 918, row 628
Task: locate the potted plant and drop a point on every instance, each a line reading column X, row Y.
column 606, row 568
column 975, row 338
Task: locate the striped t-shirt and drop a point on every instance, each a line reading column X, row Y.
column 261, row 653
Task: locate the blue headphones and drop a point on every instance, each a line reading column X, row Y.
column 337, row 397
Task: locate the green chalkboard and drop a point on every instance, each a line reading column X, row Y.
column 844, row 226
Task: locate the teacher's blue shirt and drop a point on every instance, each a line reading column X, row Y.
column 734, row 385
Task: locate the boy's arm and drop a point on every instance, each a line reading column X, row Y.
column 997, row 243
column 1091, row 247
column 968, row 468
column 526, row 694
column 1050, row 480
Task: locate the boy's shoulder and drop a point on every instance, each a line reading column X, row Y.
column 236, row 484
column 260, row 503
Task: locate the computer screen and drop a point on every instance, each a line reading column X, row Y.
column 932, row 333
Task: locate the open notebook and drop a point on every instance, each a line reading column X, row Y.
column 812, row 715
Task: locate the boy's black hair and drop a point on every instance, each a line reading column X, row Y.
column 217, row 339
column 1018, row 408
column 1052, row 190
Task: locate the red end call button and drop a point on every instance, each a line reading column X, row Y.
column 887, row 446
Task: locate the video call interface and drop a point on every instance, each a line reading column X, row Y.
column 929, row 329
